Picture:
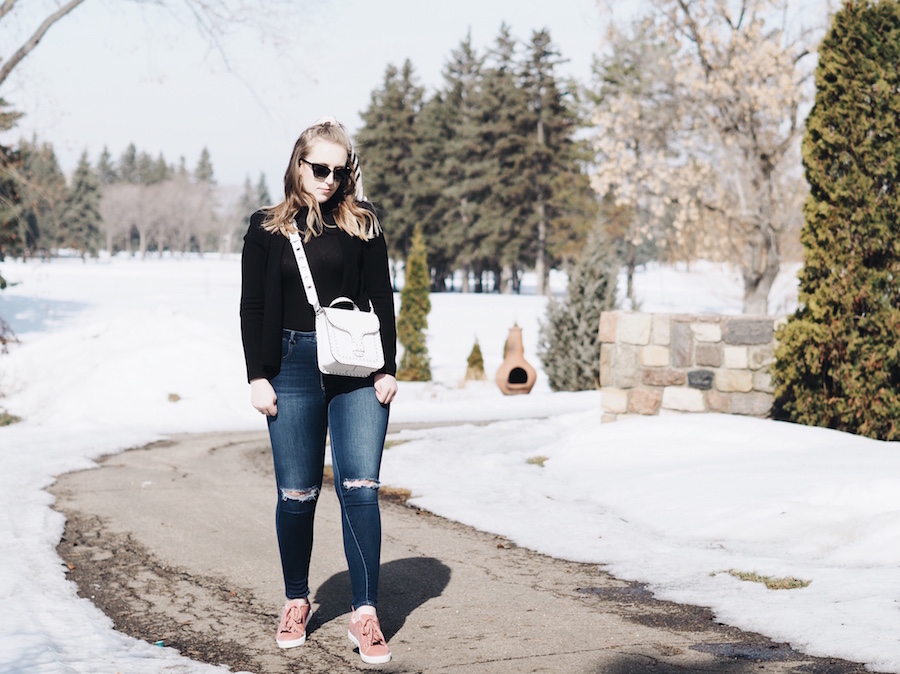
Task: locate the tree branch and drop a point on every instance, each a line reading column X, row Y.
column 32, row 42
column 6, row 7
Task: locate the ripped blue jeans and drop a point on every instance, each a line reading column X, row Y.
column 357, row 424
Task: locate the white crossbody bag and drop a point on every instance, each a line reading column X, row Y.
column 348, row 341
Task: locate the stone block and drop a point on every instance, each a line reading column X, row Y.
column 634, row 328
column 751, row 404
column 654, row 356
column 607, row 332
column 701, row 379
column 762, row 381
column 660, row 329
column 625, row 366
column 761, row 356
column 734, row 380
column 645, row 401
column 709, row 355
column 606, row 353
column 614, row 400
column 607, row 418
column 707, row 332
column 683, row 399
column 663, row 378
column 716, row 401
column 736, row 357
column 748, row 331
column 682, row 345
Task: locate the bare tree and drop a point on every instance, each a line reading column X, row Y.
column 729, row 173
column 212, row 18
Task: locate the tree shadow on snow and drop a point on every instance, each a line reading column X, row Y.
column 405, row 585
column 34, row 314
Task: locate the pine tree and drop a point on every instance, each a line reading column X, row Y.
column 262, row 192
column 128, row 165
column 385, row 145
column 204, row 171
column 41, row 188
column 106, row 170
column 838, row 361
column 467, row 171
column 415, row 305
column 475, row 364
column 506, row 129
column 569, row 347
column 558, row 186
column 81, row 229
column 9, row 197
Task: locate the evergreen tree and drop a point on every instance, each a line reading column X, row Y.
column 475, row 364
column 838, row 363
column 41, row 189
column 569, row 347
column 81, row 228
column 505, row 134
column 204, row 171
column 415, row 305
column 427, row 193
column 467, row 170
column 128, row 165
column 106, row 170
column 552, row 166
column 385, row 144
column 262, row 192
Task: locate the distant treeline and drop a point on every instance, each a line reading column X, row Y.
column 135, row 204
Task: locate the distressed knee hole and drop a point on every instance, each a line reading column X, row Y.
column 361, row 484
column 301, row 495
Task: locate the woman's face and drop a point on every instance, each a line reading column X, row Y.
column 323, row 154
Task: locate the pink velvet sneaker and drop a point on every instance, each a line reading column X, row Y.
column 365, row 633
column 292, row 628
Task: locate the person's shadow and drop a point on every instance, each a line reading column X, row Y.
column 405, row 584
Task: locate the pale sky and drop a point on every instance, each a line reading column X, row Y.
column 116, row 72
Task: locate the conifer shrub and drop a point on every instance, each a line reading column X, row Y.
column 475, row 364
column 568, row 345
column 415, row 305
column 838, row 359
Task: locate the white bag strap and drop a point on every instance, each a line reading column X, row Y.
column 305, row 274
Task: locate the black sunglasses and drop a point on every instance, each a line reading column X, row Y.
column 320, row 171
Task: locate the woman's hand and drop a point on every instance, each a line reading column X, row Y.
column 262, row 397
column 385, row 388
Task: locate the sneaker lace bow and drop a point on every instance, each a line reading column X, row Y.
column 292, row 621
column 370, row 632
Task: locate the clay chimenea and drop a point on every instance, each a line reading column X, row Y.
column 515, row 374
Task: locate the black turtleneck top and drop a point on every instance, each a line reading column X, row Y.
column 273, row 298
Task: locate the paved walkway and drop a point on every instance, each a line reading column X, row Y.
column 176, row 543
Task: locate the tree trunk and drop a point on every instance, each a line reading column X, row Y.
column 506, row 275
column 540, row 265
column 759, row 275
column 629, row 265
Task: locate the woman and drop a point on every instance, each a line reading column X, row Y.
column 348, row 257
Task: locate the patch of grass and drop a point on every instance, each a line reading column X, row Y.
column 537, row 460
column 789, row 583
column 7, row 419
column 393, row 443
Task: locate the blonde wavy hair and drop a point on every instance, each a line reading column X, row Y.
column 349, row 215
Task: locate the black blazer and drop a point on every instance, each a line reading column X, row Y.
column 366, row 277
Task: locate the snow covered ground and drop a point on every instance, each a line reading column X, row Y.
column 674, row 501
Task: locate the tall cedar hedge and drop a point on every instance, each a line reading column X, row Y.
column 414, row 307
column 569, row 345
column 838, row 360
